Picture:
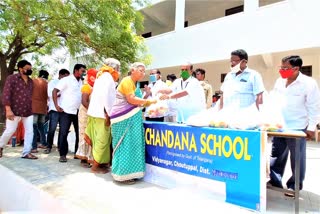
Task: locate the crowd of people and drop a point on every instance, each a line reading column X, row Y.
column 108, row 116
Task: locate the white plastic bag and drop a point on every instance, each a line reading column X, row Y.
column 245, row 118
column 203, row 118
column 158, row 109
column 271, row 113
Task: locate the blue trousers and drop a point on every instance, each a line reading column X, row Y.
column 53, row 122
column 278, row 160
column 38, row 127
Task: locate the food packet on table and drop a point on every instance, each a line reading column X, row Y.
column 203, row 118
column 221, row 118
column 158, row 109
column 271, row 113
column 245, row 118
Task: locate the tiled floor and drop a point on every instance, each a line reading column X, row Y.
column 99, row 194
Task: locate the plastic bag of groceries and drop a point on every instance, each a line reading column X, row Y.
column 158, row 109
column 221, row 118
column 203, row 118
column 271, row 112
column 245, row 118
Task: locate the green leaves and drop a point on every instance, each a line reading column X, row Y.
column 107, row 27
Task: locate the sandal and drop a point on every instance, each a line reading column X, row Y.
column 63, row 159
column 1, row 149
column 47, row 151
column 42, row 146
column 34, row 151
column 85, row 164
column 30, row 156
column 127, row 182
column 99, row 170
column 290, row 193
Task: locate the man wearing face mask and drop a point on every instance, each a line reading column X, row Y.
column 188, row 92
column 300, row 110
column 242, row 86
column 17, row 99
column 69, row 103
column 151, row 91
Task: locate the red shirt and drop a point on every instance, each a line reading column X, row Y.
column 18, row 95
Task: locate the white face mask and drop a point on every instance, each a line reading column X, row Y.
column 235, row 68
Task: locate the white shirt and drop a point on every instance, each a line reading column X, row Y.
column 191, row 104
column 51, row 85
column 239, row 91
column 158, row 85
column 103, row 96
column 70, row 98
column 301, row 104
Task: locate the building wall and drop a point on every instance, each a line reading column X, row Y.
column 267, row 33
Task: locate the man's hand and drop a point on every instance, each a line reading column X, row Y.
column 147, row 90
column 107, row 121
column 164, row 97
column 9, row 115
column 59, row 109
column 310, row 135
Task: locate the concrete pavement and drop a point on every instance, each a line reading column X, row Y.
column 79, row 188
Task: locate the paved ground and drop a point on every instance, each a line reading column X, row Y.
column 99, row 194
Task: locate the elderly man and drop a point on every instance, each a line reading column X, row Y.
column 98, row 133
column 188, row 92
column 17, row 99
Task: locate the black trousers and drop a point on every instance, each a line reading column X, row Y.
column 75, row 123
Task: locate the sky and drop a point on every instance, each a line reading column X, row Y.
column 53, row 63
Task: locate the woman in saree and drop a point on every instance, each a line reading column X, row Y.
column 84, row 152
column 128, row 161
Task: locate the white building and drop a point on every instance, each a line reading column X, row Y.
column 203, row 32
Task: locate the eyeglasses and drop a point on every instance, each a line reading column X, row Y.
column 285, row 68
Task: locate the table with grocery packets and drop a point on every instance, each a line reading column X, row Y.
column 218, row 163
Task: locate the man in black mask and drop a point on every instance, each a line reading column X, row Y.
column 17, row 99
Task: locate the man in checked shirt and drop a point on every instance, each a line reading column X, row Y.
column 17, row 99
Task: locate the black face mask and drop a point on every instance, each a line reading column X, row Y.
column 28, row 72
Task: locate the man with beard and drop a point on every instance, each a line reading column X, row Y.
column 17, row 99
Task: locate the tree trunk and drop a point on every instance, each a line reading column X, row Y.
column 4, row 74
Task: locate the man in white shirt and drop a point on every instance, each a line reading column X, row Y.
column 98, row 132
column 70, row 100
column 207, row 88
column 188, row 92
column 53, row 114
column 301, row 111
column 151, row 91
column 242, row 86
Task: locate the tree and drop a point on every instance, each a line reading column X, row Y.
column 105, row 27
